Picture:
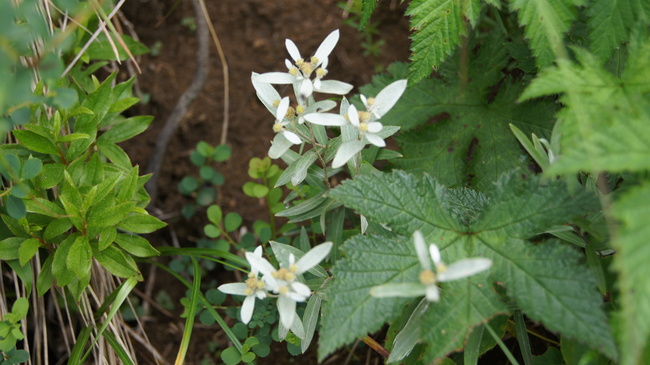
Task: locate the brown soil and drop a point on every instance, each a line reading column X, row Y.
column 252, row 34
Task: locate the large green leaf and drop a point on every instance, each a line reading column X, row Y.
column 631, row 261
column 605, row 120
column 547, row 281
column 546, row 22
column 438, row 25
column 350, row 311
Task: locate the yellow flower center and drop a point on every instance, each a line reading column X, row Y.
column 293, row 71
column 286, row 274
column 370, row 101
column 427, row 277
column 307, row 68
column 278, row 127
column 276, row 103
column 253, row 284
column 320, row 72
column 300, row 109
column 291, row 112
column 364, row 117
column 283, row 289
column 363, row 127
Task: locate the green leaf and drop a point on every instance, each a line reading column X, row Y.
column 221, row 153
column 15, row 207
column 115, row 153
column 116, row 262
column 188, row 185
column 438, row 25
column 135, row 245
column 10, row 248
column 141, row 223
column 543, row 279
column 79, row 257
column 609, row 23
column 109, row 216
column 101, row 48
column 232, row 221
column 45, row 207
column 230, row 356
column 546, row 23
column 51, row 175
column 59, row 264
column 214, row 214
column 28, row 249
column 255, row 190
column 127, row 129
column 31, row 168
column 35, row 142
column 351, row 312
column 603, row 124
column 129, row 185
column 632, row 256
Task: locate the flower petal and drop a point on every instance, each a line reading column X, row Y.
column 281, row 78
column 259, row 263
column 375, row 139
column 364, row 224
column 388, row 97
column 313, row 257
column 353, row 116
column 300, row 291
column 421, row 250
column 292, row 49
column 406, row 290
column 346, row 152
column 287, row 309
column 265, row 92
column 464, row 268
column 375, row 127
column 327, row 119
column 306, row 89
column 233, row 288
column 279, row 146
column 282, row 108
column 435, row 254
column 334, row 87
column 433, row 293
column 322, row 106
column 327, row 46
column 247, row 309
column 292, row 137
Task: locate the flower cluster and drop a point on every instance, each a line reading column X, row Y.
column 429, row 279
column 306, row 75
column 284, row 283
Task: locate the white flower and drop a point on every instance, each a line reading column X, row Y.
column 428, row 278
column 280, row 123
column 300, row 72
column 252, row 288
column 284, row 281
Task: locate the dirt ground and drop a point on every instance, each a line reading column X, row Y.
column 252, row 34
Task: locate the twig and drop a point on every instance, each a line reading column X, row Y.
column 226, row 77
column 183, row 103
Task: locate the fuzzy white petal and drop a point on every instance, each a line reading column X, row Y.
column 233, row 288
column 334, row 87
column 421, row 250
column 464, row 268
column 327, row 46
column 327, row 119
column 406, row 290
column 287, row 309
column 435, row 254
column 322, row 106
column 279, row 146
column 282, row 108
column 375, row 139
column 353, row 116
column 300, row 292
column 281, row 78
column 259, row 263
column 292, row 49
column 365, row 101
column 375, row 127
column 313, row 257
column 388, row 97
column 432, row 293
column 306, row 89
column 265, row 92
column 288, row 64
column 346, row 152
column 292, row 137
column 247, row 309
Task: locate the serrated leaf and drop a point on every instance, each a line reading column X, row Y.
column 608, row 23
column 463, row 305
column 367, row 7
column 604, row 121
column 438, row 25
column 351, row 311
column 546, row 23
column 513, row 208
column 632, row 256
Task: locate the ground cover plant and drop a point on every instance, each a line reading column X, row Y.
column 487, row 196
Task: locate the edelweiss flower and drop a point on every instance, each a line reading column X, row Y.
column 366, row 122
column 252, row 288
column 428, row 278
column 284, row 281
column 280, row 123
column 300, row 72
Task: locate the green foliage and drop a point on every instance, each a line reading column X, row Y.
column 463, row 224
column 203, row 188
column 10, row 327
